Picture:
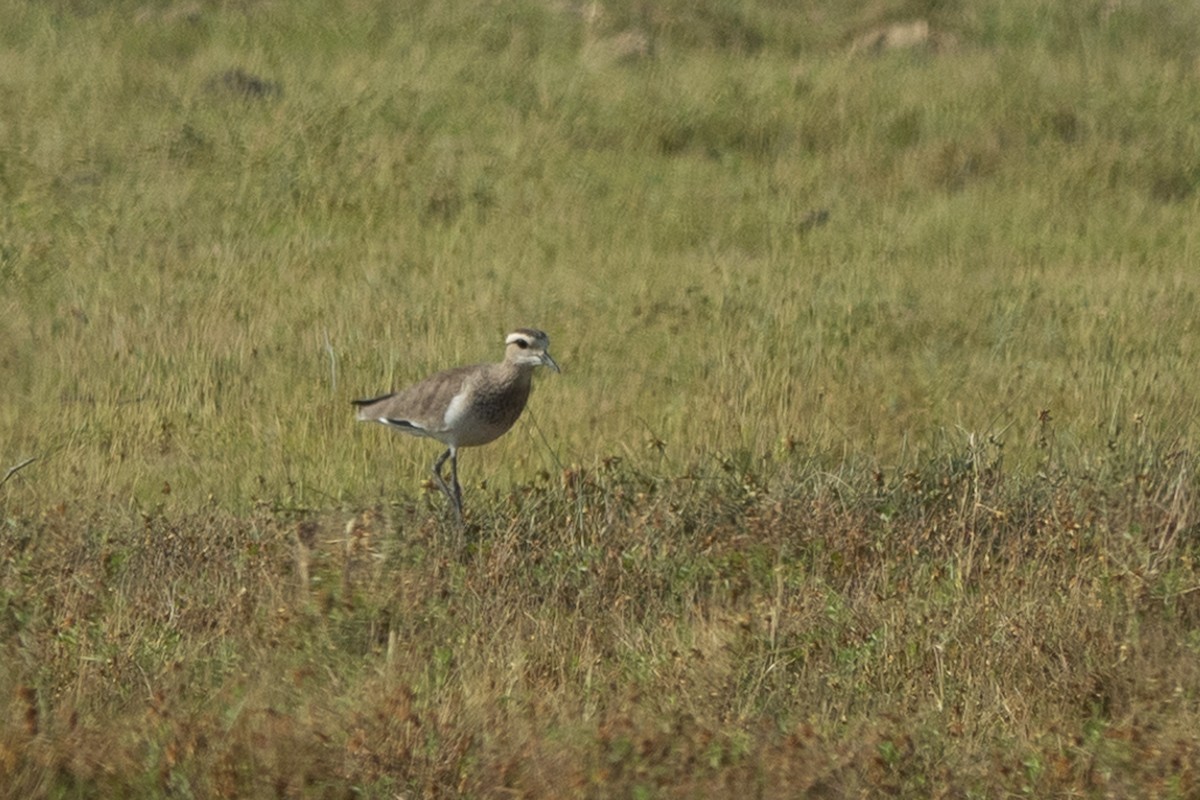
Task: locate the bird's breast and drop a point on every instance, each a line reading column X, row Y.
column 485, row 411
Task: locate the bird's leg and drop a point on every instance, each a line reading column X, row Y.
column 457, row 485
column 437, row 474
column 455, row 494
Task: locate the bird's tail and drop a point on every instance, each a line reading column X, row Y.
column 364, row 405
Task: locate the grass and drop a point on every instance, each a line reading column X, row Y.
column 871, row 470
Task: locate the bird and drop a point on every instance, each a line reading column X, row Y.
column 464, row 406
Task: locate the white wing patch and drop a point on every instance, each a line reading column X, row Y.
column 455, row 411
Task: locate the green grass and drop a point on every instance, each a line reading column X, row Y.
column 871, row 468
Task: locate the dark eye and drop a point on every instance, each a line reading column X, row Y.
column 521, row 343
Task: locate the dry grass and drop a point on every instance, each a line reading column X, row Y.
column 951, row 631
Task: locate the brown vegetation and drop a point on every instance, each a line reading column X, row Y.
column 767, row 628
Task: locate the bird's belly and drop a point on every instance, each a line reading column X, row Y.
column 480, row 432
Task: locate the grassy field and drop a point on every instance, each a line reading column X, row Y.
column 871, row 470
